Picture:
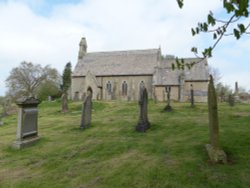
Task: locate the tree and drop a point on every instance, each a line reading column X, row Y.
column 215, row 73
column 223, row 91
column 235, row 24
column 26, row 79
column 66, row 78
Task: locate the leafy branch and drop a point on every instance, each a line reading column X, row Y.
column 236, row 25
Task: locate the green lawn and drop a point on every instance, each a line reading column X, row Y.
column 111, row 154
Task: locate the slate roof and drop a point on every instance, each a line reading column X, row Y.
column 132, row 62
column 164, row 75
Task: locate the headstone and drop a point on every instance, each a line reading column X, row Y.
column 192, row 96
column 86, row 111
column 64, row 100
column 143, row 123
column 216, row 154
column 27, row 127
column 49, row 98
column 168, row 108
column 236, row 92
column 231, row 100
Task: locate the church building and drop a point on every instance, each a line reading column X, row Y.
column 119, row 75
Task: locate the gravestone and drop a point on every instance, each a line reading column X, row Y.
column 143, row 123
column 168, row 108
column 27, row 127
column 231, row 100
column 192, row 96
column 64, row 100
column 215, row 154
column 86, row 111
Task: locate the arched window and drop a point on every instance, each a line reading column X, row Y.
column 124, row 88
column 109, row 87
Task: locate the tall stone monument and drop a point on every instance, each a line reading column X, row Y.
column 192, row 95
column 27, row 127
column 216, row 154
column 143, row 123
column 86, row 111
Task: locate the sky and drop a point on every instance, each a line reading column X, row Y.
column 48, row 32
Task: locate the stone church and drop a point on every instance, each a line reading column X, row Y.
column 119, row 75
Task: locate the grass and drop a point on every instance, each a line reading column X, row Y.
column 111, row 154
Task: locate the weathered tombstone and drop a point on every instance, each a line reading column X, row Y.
column 64, row 100
column 49, row 98
column 231, row 100
column 236, row 92
column 192, row 96
column 27, row 127
column 216, row 154
column 143, row 123
column 168, row 108
column 86, row 111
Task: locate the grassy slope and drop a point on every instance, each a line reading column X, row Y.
column 112, row 154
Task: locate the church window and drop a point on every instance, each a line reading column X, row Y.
column 124, row 88
column 109, row 87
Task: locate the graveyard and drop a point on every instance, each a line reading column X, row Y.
column 111, row 153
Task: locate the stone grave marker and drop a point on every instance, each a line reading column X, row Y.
column 27, row 127
column 143, row 123
column 215, row 154
column 168, row 108
column 86, row 111
column 192, row 96
column 64, row 102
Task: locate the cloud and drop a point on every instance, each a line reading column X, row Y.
column 52, row 37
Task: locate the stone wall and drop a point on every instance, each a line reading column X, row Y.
column 81, row 84
column 161, row 95
column 200, row 91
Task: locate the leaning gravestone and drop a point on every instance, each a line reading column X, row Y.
column 27, row 128
column 216, row 154
column 86, row 111
column 143, row 123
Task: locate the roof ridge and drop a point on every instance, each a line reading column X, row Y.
column 136, row 51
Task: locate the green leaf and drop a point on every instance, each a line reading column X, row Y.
column 180, row 3
column 197, row 30
column 228, row 6
column 210, row 19
column 215, row 36
column 236, row 34
column 193, row 31
column 194, row 49
column 205, row 27
column 242, row 28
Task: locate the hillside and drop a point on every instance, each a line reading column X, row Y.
column 112, row 154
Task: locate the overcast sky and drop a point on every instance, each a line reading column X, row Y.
column 49, row 31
